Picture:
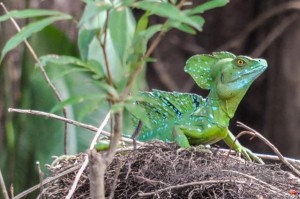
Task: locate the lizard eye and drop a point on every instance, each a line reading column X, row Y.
column 240, row 62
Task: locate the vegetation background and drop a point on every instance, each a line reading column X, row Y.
column 268, row 29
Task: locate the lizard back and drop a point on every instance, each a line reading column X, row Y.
column 166, row 109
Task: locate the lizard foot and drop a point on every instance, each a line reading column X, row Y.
column 249, row 155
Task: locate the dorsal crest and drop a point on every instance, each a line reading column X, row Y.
column 200, row 67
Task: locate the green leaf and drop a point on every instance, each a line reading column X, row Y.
column 28, row 13
column 102, row 146
column 182, row 27
column 89, row 108
column 208, row 6
column 85, row 37
column 164, row 9
column 141, row 39
column 97, row 68
column 62, row 60
column 142, row 23
column 108, row 88
column 92, row 9
column 28, row 31
column 78, row 99
column 138, row 112
column 199, row 21
column 92, row 66
column 69, row 71
column 121, row 30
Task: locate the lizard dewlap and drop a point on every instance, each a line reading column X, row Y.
column 187, row 118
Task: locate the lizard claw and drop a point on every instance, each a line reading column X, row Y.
column 249, row 155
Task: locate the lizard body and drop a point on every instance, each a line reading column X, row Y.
column 191, row 119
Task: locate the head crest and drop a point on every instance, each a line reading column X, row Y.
column 199, row 67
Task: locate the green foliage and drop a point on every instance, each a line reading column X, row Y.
column 31, row 28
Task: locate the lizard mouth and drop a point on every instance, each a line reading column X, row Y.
column 252, row 75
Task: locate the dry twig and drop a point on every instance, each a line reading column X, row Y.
column 82, row 125
column 276, row 151
column 3, row 187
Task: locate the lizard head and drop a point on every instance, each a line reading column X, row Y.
column 227, row 74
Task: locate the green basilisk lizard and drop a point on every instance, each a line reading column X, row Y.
column 188, row 119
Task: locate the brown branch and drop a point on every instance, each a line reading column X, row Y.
column 260, row 20
column 191, row 184
column 3, row 187
column 274, row 34
column 267, row 142
column 79, row 124
column 44, row 73
column 97, row 169
column 116, row 136
column 103, row 46
column 41, row 177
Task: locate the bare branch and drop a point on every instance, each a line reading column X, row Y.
column 82, row 125
column 41, row 176
column 3, row 187
column 44, row 73
column 267, row 142
column 103, row 46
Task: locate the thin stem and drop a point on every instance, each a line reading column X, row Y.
column 267, row 142
column 44, row 73
column 116, row 136
column 69, row 121
column 3, row 187
column 103, row 46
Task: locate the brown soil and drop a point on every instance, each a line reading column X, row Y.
column 159, row 170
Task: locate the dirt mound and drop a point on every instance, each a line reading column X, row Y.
column 159, row 170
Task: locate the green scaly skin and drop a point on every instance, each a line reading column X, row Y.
column 189, row 119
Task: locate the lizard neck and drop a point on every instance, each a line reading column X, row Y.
column 221, row 109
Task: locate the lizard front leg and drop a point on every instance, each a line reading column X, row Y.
column 232, row 143
column 180, row 138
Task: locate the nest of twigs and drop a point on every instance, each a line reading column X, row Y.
column 159, row 170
